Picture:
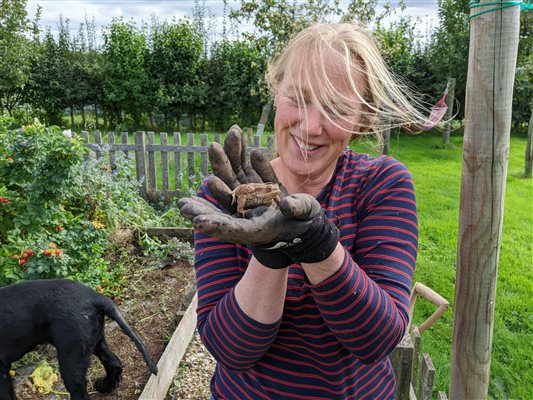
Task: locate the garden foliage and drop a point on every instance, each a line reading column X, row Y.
column 58, row 209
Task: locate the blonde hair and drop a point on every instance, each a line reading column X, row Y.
column 384, row 100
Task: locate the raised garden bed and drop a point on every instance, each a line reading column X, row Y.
column 154, row 302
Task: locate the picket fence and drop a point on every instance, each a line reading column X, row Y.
column 164, row 167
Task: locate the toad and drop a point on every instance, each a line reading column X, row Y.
column 250, row 195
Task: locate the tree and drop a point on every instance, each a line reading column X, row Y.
column 125, row 79
column 523, row 89
column 449, row 46
column 15, row 51
column 235, row 74
column 276, row 21
column 46, row 89
column 173, row 69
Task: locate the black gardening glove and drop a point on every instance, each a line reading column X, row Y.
column 298, row 230
column 311, row 246
column 230, row 167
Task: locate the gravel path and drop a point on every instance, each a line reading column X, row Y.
column 194, row 374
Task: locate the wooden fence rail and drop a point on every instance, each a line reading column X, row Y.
column 162, row 165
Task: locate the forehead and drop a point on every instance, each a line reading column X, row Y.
column 329, row 76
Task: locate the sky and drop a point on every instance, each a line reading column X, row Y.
column 103, row 11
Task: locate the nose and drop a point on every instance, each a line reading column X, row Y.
column 311, row 120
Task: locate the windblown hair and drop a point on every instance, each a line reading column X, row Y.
column 384, row 100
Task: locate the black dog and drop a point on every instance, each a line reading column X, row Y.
column 70, row 316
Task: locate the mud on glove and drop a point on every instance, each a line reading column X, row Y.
column 311, row 246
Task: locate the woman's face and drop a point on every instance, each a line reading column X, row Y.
column 308, row 143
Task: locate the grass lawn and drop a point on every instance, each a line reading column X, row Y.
column 437, row 174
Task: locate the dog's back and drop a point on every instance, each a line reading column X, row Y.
column 41, row 311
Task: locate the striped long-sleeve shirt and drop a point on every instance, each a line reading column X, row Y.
column 333, row 338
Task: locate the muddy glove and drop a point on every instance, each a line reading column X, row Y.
column 299, row 229
column 230, row 166
column 231, row 170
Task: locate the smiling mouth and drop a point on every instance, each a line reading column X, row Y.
column 304, row 146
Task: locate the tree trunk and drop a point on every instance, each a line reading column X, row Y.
column 71, row 116
column 83, row 121
column 386, row 139
column 488, row 106
column 529, row 148
column 96, row 124
column 450, row 100
column 264, row 119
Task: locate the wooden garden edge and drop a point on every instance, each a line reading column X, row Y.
column 157, row 386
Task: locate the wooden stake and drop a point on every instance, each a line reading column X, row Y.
column 491, row 70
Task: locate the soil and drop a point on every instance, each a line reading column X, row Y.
column 151, row 300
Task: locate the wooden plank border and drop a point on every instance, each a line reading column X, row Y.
column 158, row 385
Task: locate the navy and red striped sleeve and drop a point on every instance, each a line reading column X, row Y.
column 366, row 302
column 234, row 339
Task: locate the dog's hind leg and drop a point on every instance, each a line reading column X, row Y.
column 74, row 361
column 112, row 365
column 6, row 384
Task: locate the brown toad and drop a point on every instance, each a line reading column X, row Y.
column 250, row 195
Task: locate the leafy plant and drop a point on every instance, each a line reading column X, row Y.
column 58, row 209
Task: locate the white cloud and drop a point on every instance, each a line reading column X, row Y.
column 103, row 11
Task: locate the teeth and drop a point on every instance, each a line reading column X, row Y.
column 304, row 146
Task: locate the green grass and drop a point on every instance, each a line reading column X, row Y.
column 436, row 172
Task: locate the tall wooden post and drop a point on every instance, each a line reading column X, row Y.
column 263, row 120
column 450, row 100
column 491, row 70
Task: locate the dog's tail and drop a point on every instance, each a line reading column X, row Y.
column 111, row 310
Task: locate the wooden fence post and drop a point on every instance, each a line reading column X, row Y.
column 263, row 120
column 152, row 176
column 386, row 139
column 112, row 153
column 489, row 89
column 402, row 363
column 140, row 162
column 450, row 100
column 191, row 172
column 427, row 378
column 98, row 143
column 164, row 161
column 177, row 161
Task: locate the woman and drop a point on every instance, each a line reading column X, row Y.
column 306, row 301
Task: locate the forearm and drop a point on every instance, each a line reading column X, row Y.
column 261, row 292
column 234, row 337
column 317, row 272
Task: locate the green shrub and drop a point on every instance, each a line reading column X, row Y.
column 57, row 209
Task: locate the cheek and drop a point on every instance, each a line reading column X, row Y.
column 340, row 135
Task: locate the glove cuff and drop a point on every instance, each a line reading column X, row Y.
column 312, row 246
column 270, row 259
